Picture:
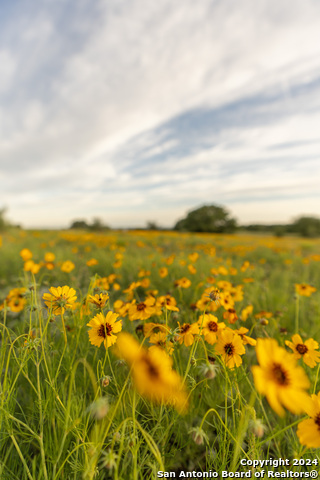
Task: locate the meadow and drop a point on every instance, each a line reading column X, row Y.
column 125, row 354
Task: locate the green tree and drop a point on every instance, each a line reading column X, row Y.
column 209, row 218
column 79, row 224
column 306, row 226
column 3, row 222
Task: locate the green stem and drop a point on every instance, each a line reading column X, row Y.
column 297, row 314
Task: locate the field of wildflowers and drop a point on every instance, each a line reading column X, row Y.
column 124, row 354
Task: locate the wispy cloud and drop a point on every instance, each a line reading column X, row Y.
column 141, row 110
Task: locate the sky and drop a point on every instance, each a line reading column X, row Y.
column 135, row 111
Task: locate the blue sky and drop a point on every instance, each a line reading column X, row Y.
column 135, row 110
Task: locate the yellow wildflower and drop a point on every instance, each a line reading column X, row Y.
column 104, row 328
column 279, row 378
column 307, row 350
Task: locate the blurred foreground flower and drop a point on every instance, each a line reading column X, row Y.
column 279, row 378
column 309, row 430
column 152, row 373
column 104, row 328
column 60, row 299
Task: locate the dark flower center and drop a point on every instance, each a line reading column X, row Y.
column 301, row 348
column 317, row 420
column 151, row 368
column 229, row 349
column 185, row 328
column 141, row 306
column 279, row 374
column 105, row 329
column 213, row 326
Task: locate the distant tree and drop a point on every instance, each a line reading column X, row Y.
column 306, row 226
column 97, row 225
column 79, row 224
column 4, row 224
column 152, row 225
column 209, row 218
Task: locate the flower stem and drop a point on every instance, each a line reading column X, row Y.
column 297, row 315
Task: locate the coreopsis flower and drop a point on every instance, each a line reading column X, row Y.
column 99, row 300
column 307, row 350
column 144, row 273
column 222, row 270
column 49, row 257
column 104, row 329
column 210, row 327
column 170, row 260
column 60, row 299
column 186, row 333
column 236, row 293
column 182, row 283
column 112, row 277
column 279, row 378
column 145, row 282
column 31, row 266
column 246, row 312
column 67, row 266
column 121, row 307
column 230, row 315
column 248, row 280
column 143, row 310
column 224, row 285
column 168, row 302
column 246, row 340
column 159, row 340
column 245, row 266
column 92, row 262
column 226, row 300
column 304, row 289
column 82, row 308
column 102, row 283
column 193, row 257
column 16, row 300
column 192, row 269
column 152, row 373
column 230, row 347
column 130, row 289
column 233, row 271
column 263, row 314
column 309, row 430
column 163, row 272
column 25, row 254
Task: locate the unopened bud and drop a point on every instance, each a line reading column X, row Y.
column 105, row 381
column 258, row 428
column 263, row 321
column 198, row 435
